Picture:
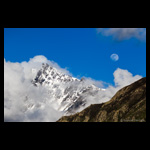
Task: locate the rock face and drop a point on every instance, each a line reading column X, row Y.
column 68, row 93
column 127, row 105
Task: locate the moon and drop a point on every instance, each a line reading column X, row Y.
column 114, row 57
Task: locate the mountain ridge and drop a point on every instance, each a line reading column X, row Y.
column 68, row 92
column 127, row 105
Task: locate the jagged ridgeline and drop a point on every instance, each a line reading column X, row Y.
column 127, row 105
column 68, row 92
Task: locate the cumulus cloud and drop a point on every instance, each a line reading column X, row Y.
column 123, row 33
column 20, row 94
column 122, row 78
column 17, row 85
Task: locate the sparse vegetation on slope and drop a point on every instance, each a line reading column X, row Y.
column 127, row 105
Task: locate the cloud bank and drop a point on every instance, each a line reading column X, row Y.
column 17, row 86
column 124, row 33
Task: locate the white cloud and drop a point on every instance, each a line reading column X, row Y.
column 124, row 33
column 17, row 84
column 89, row 81
column 124, row 77
column 36, row 62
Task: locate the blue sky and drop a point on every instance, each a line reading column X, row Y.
column 84, row 51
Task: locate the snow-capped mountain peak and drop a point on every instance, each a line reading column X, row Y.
column 68, row 93
column 50, row 75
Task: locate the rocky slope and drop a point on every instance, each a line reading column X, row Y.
column 127, row 105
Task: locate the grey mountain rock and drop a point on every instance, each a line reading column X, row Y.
column 68, row 92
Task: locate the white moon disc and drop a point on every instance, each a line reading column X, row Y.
column 114, row 57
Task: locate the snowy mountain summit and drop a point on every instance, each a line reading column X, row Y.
column 48, row 75
column 66, row 93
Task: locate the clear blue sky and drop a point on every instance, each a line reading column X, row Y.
column 84, row 51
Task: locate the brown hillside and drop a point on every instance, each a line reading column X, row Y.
column 127, row 105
